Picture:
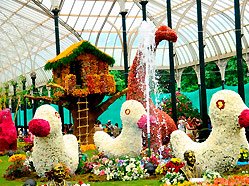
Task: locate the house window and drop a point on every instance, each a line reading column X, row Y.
column 75, row 68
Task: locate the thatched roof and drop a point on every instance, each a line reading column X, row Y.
column 72, row 52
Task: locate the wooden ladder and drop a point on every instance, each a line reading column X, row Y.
column 83, row 127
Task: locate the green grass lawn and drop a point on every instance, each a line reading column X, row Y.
column 3, row 166
column 3, row 182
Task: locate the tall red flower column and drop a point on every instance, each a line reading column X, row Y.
column 136, row 85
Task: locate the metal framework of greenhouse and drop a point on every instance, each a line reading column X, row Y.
column 27, row 32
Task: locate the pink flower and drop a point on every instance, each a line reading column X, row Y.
column 104, row 160
column 102, row 172
column 143, row 121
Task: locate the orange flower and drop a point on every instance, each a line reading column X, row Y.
column 17, row 158
column 80, row 92
column 70, row 82
column 84, row 148
column 232, row 180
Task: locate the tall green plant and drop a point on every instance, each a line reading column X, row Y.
column 163, row 78
column 231, row 75
column 189, row 81
column 212, row 76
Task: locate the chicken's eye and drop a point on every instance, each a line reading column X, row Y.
column 127, row 111
column 220, row 104
column 57, row 114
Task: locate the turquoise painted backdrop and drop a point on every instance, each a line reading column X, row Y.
column 113, row 112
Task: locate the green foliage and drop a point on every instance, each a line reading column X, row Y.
column 212, row 76
column 183, row 105
column 189, row 81
column 13, row 83
column 119, row 79
column 231, row 75
column 163, row 80
column 6, row 86
column 21, row 78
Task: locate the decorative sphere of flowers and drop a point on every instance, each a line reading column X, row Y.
column 244, row 118
column 39, row 127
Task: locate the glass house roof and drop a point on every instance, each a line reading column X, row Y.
column 28, row 36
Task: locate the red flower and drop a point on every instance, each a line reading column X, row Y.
column 244, row 118
column 39, row 127
column 81, row 182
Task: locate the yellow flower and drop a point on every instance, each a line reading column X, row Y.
column 1, row 161
column 176, row 160
column 244, row 154
column 66, row 52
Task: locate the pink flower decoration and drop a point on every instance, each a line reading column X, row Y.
column 143, row 121
column 102, row 172
column 39, row 127
column 27, row 140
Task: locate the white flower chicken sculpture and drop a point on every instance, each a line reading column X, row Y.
column 50, row 146
column 129, row 142
column 221, row 149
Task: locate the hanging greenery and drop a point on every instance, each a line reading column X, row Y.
column 72, row 52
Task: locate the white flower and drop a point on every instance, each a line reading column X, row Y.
column 220, row 151
column 54, row 148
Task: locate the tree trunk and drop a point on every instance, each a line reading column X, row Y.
column 92, row 117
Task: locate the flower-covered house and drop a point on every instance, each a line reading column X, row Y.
column 82, row 69
column 81, row 79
